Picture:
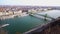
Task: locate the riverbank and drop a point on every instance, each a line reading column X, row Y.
column 46, row 28
column 12, row 16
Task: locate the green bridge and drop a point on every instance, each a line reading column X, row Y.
column 45, row 16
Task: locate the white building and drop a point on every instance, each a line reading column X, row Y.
column 32, row 11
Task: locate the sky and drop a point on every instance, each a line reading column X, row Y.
column 31, row 2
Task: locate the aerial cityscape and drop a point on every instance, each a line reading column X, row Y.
column 29, row 19
column 29, row 16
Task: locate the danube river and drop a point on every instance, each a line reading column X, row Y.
column 21, row 24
